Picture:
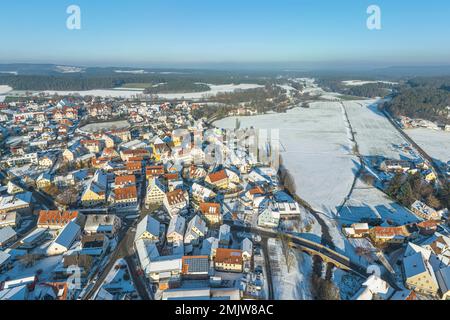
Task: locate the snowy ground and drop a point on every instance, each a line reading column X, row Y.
column 435, row 142
column 122, row 93
column 315, row 148
column 374, row 133
column 369, row 202
column 361, row 82
column 3, row 91
column 93, row 127
column 295, row 283
column 44, row 267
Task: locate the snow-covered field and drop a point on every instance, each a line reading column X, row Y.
column 361, row 82
column 315, row 148
column 435, row 142
column 3, row 91
column 369, row 202
column 292, row 284
column 126, row 93
column 374, row 133
column 93, row 127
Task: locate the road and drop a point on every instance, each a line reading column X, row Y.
column 268, row 268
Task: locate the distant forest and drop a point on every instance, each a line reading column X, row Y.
column 369, row 90
column 172, row 82
column 178, row 86
column 424, row 98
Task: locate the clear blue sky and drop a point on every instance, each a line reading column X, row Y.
column 151, row 32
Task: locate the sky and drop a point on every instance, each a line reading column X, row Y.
column 195, row 32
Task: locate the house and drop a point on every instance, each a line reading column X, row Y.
column 10, row 219
column 156, row 192
column 18, row 293
column 125, row 181
column 65, row 239
column 429, row 176
column 148, row 229
column 126, row 197
column 52, row 291
column 76, row 260
column 228, row 260
column 107, row 224
column 7, row 236
column 196, row 230
column 94, row 244
column 224, row 235
column 357, row 230
column 5, row 261
column 195, row 267
column 176, row 202
column 247, row 249
column 443, row 278
column 94, row 193
column 419, row 275
column 425, row 212
column 374, row 288
column 269, row 217
column 44, row 181
column 209, row 247
column 20, row 203
column 33, row 239
column 223, row 179
column 211, row 212
column 165, row 270
column 94, row 146
column 146, row 251
column 395, row 166
column 175, row 232
column 13, row 188
column 201, row 193
column 152, row 172
column 54, row 219
column 391, row 235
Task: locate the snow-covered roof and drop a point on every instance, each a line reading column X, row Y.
column 443, row 278
column 177, row 224
column 6, row 234
column 4, row 257
column 68, row 235
column 16, row 293
column 148, row 224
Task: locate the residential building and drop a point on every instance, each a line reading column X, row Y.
column 229, row 260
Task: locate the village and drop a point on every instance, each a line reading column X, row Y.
column 112, row 199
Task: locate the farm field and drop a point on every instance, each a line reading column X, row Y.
column 435, row 143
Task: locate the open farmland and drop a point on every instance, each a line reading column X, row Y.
column 315, row 148
column 375, row 135
column 435, row 143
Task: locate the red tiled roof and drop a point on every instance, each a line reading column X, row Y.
column 217, row 176
column 125, row 193
column 209, row 208
column 176, row 196
column 128, row 179
column 55, row 217
column 228, row 256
